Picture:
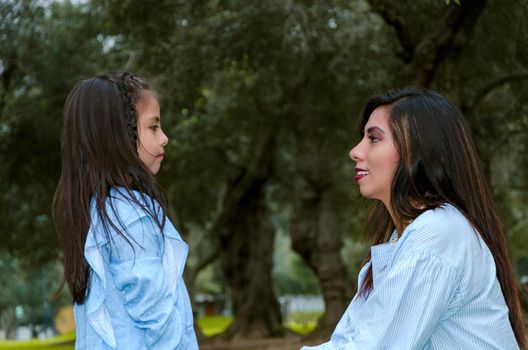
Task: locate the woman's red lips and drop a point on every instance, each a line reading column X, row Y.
column 161, row 156
column 361, row 173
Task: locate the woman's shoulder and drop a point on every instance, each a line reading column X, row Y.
column 443, row 219
column 444, row 232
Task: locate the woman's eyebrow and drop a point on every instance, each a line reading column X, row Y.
column 375, row 128
column 154, row 118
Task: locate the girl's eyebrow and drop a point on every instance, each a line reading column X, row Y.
column 154, row 118
column 375, row 128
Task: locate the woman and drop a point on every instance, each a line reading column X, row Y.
column 438, row 275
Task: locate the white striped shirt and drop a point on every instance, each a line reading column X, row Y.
column 434, row 288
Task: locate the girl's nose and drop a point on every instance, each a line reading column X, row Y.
column 164, row 139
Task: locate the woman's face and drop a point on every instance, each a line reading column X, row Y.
column 376, row 157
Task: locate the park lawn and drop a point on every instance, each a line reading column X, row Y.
column 211, row 325
column 299, row 322
column 61, row 342
column 303, row 322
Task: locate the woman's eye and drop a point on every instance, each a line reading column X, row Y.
column 155, row 127
column 373, row 139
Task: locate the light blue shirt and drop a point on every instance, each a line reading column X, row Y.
column 434, row 288
column 136, row 297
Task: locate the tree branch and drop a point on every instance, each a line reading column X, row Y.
column 388, row 11
column 7, row 77
column 425, row 56
column 433, row 48
column 486, row 90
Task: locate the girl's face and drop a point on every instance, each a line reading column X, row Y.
column 376, row 157
column 151, row 139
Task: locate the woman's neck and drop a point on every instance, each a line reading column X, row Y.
column 398, row 224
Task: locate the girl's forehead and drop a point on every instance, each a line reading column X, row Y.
column 146, row 98
column 146, row 103
column 147, row 95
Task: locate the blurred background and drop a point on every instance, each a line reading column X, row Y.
column 260, row 100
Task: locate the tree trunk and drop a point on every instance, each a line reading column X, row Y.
column 9, row 320
column 247, row 263
column 246, row 239
column 316, row 230
column 317, row 236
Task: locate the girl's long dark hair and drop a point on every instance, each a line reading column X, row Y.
column 438, row 164
column 99, row 153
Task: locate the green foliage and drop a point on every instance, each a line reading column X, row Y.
column 291, row 276
column 45, row 49
column 209, row 281
column 29, row 288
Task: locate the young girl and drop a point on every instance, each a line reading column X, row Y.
column 438, row 275
column 123, row 259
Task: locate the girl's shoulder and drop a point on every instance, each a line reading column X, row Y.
column 127, row 205
column 128, row 197
column 123, row 207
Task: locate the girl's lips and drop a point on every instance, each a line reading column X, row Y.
column 161, row 156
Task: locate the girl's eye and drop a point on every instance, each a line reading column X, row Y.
column 154, row 127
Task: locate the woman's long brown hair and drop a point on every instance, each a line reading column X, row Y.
column 438, row 164
column 98, row 154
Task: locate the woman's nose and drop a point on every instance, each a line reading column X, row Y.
column 355, row 153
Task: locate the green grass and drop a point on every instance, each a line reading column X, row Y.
column 212, row 325
column 302, row 322
column 61, row 342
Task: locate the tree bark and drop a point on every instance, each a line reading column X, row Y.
column 6, row 78
column 479, row 128
column 10, row 323
column 317, row 236
column 425, row 52
column 316, row 230
column 190, row 279
column 246, row 238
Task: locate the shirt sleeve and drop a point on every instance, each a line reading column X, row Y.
column 404, row 308
column 136, row 265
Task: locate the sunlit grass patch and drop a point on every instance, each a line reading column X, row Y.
column 61, row 342
column 212, row 325
column 303, row 322
column 300, row 322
